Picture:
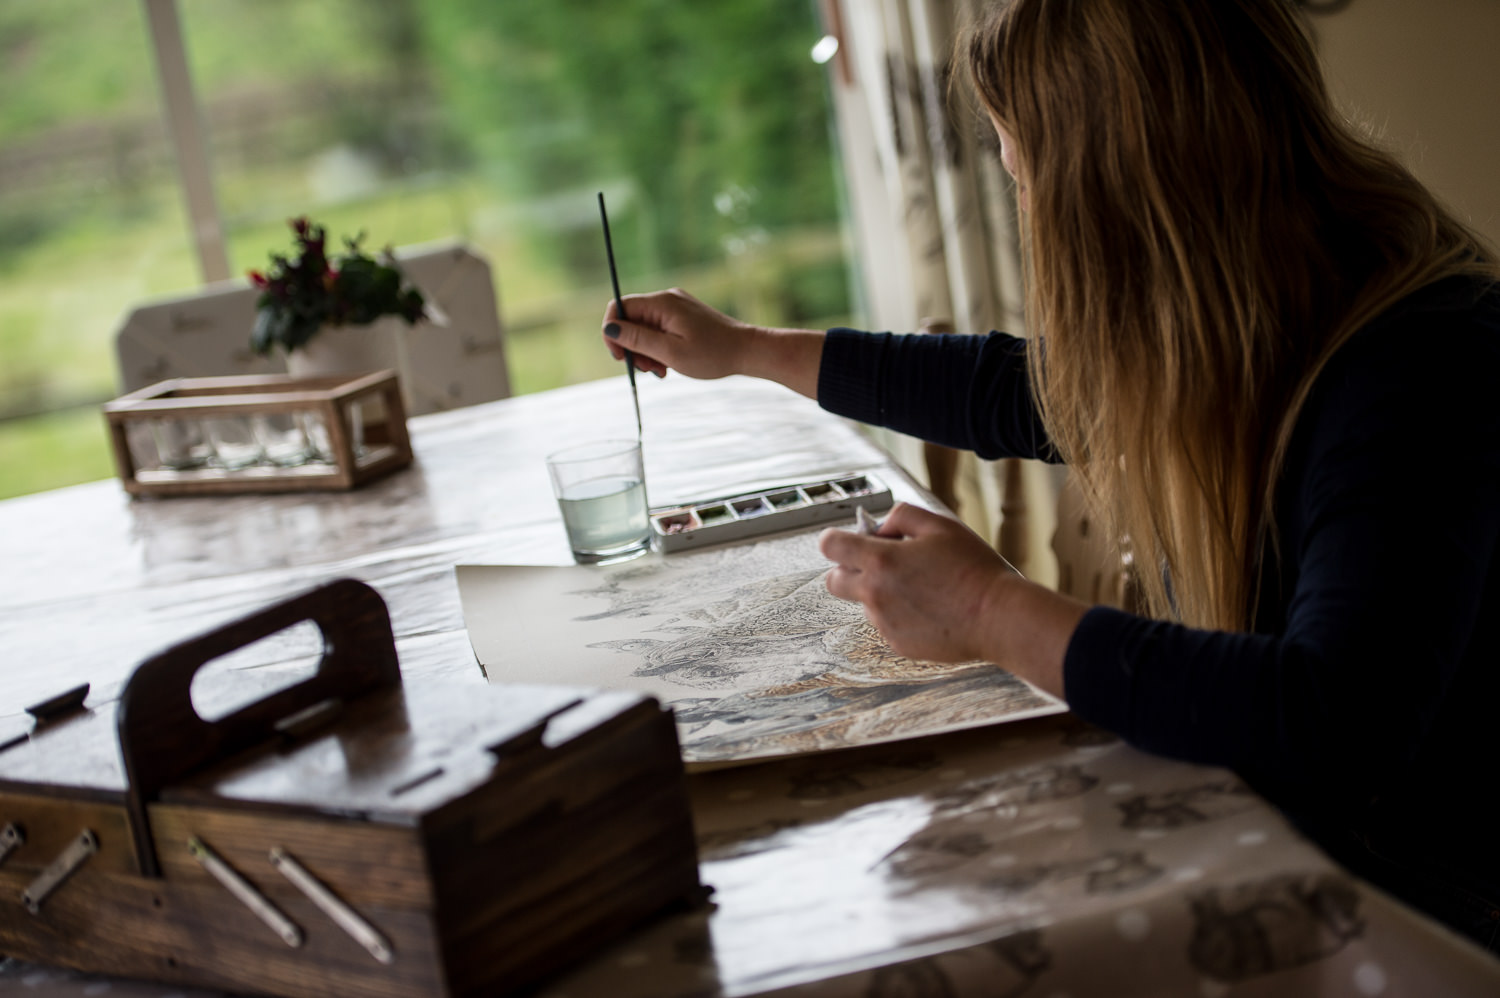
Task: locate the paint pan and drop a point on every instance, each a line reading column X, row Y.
column 769, row 511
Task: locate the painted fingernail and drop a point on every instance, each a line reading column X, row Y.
column 612, row 330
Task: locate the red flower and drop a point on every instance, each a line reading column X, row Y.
column 302, row 292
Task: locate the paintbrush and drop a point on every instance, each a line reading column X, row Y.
column 614, row 279
column 867, row 524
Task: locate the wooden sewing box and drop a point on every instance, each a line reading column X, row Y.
column 347, row 835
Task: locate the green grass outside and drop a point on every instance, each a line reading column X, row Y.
column 47, row 452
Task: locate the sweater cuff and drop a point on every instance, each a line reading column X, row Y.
column 1098, row 675
column 849, row 374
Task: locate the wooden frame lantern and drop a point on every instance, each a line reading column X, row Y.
column 258, row 433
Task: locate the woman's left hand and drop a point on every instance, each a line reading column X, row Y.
column 927, row 582
column 936, row 591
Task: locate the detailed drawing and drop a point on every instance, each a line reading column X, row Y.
column 1269, row 925
column 745, row 643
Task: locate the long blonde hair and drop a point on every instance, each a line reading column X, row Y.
column 1203, row 232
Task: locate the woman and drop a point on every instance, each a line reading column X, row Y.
column 1249, row 321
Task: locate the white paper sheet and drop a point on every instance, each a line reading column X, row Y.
column 743, row 642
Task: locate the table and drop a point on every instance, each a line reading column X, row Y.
column 1040, row 858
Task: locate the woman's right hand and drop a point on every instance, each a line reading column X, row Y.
column 672, row 329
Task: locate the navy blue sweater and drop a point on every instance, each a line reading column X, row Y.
column 1364, row 700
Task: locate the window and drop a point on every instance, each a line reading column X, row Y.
column 707, row 125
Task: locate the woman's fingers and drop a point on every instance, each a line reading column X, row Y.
column 672, row 329
column 664, row 310
column 848, row 549
column 859, row 560
column 923, row 579
column 906, row 520
column 865, row 552
column 651, row 347
column 843, row 583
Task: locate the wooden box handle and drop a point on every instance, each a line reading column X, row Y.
column 163, row 738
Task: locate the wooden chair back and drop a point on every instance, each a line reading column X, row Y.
column 457, row 362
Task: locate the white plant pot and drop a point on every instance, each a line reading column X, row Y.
column 378, row 346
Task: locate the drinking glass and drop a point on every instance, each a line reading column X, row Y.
column 234, row 442
column 318, row 440
column 601, row 490
column 181, row 444
column 141, row 442
column 282, row 438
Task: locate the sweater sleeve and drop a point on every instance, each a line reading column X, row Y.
column 1385, row 603
column 969, row 392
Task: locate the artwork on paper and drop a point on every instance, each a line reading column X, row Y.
column 745, row 643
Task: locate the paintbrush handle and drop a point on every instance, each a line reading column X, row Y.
column 614, row 280
column 614, row 275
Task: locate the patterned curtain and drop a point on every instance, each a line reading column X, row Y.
column 934, row 215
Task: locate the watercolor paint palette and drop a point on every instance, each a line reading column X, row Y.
column 768, row 511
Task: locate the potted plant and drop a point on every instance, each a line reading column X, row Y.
column 317, row 308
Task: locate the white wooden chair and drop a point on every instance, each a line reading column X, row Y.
column 203, row 334
column 455, row 364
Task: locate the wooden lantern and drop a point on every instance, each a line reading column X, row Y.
column 353, row 429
